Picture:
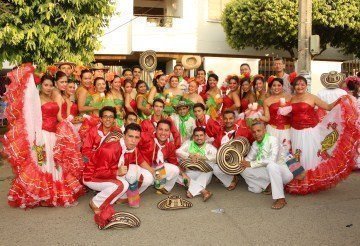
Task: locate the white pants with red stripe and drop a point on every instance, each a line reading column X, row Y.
column 258, row 179
column 109, row 190
column 133, row 175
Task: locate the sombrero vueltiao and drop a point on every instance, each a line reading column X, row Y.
column 99, row 66
column 174, row 202
column 148, row 60
column 122, row 220
column 332, row 79
column 199, row 165
column 191, row 61
column 242, row 144
column 182, row 104
column 228, row 159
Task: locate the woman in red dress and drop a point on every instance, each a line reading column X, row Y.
column 44, row 153
column 326, row 148
column 247, row 96
column 231, row 100
column 130, row 102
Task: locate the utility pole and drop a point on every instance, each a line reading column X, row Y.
column 305, row 29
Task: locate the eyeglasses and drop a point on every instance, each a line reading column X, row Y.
column 108, row 117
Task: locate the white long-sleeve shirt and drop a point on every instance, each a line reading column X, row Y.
column 189, row 125
column 210, row 151
column 271, row 152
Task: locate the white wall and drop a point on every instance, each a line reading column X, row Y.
column 318, row 68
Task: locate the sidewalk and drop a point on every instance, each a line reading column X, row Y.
column 328, row 218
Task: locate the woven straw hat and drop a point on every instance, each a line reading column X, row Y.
column 99, row 66
column 332, row 79
column 59, row 64
column 190, row 61
column 242, row 145
column 228, row 159
column 148, row 60
column 122, row 220
column 200, row 165
column 174, row 202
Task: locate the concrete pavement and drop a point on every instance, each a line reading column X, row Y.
column 328, row 218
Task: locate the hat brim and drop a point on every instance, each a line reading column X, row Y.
column 199, row 165
column 229, row 160
column 331, row 85
column 242, row 145
column 163, row 205
column 145, row 57
column 187, row 65
column 59, row 64
column 121, row 220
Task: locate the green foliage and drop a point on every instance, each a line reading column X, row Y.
column 47, row 31
column 266, row 24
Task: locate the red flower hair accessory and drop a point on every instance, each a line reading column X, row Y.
column 352, row 79
column 292, row 77
column 51, row 70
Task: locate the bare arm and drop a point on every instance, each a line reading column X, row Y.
column 152, row 94
column 266, row 116
column 236, row 99
column 200, row 100
column 56, row 96
column 139, row 101
column 321, row 104
column 127, row 103
column 81, row 102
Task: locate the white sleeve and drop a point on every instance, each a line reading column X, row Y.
column 211, row 152
column 183, row 151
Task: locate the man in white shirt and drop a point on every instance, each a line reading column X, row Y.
column 183, row 121
column 279, row 66
column 265, row 166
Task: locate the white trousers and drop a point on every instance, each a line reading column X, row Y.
column 133, row 175
column 198, row 181
column 226, row 179
column 172, row 173
column 258, row 179
column 109, row 190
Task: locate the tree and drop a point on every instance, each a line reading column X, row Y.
column 47, row 31
column 264, row 24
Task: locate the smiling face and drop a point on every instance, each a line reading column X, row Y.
column 47, row 87
column 300, row 87
column 161, row 81
column 70, row 89
column 199, row 113
column 245, row 69
column 128, row 87
column 116, row 84
column 178, row 71
column 258, row 131
column 245, row 86
column 276, row 88
column 174, row 82
column 137, row 73
column 158, row 108
column 193, row 87
column 233, row 85
column 259, row 85
column 86, row 80
column 99, row 73
column 199, row 137
column 162, row 132
column 100, row 85
column 67, row 69
column 128, row 75
column 183, row 110
column 201, row 74
column 141, row 88
column 279, row 66
column 229, row 120
column 61, row 83
column 212, row 82
column 108, row 119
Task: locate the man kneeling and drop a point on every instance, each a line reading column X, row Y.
column 265, row 165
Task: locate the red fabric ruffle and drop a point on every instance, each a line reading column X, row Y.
column 105, row 215
column 87, row 124
column 340, row 164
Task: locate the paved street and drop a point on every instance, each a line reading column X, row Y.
column 327, row 218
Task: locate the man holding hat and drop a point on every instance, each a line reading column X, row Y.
column 148, row 126
column 159, row 152
column 99, row 70
column 195, row 150
column 183, row 121
column 265, row 166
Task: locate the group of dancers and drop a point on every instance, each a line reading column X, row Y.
column 118, row 135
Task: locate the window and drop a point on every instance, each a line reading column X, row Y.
column 215, row 8
column 160, row 12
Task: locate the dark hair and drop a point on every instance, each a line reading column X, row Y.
column 59, row 74
column 228, row 111
column 257, row 122
column 158, row 100
column 136, row 66
column 132, row 126
column 279, row 59
column 47, row 77
column 201, row 69
column 199, row 129
column 242, row 81
column 164, row 121
column 125, row 70
column 199, row 105
column 172, row 78
column 236, row 78
column 245, row 64
column 298, row 78
column 280, row 80
column 358, row 74
column 115, row 77
column 214, row 76
column 84, row 72
column 107, row 108
column 354, row 87
column 178, row 65
column 139, row 83
column 128, row 81
column 158, row 88
column 128, row 114
column 256, row 78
